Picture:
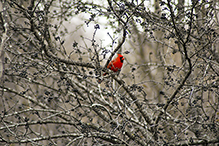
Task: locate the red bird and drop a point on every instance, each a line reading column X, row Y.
column 115, row 65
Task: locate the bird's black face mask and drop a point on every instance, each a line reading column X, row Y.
column 121, row 59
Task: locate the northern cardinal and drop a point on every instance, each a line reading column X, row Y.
column 115, row 65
